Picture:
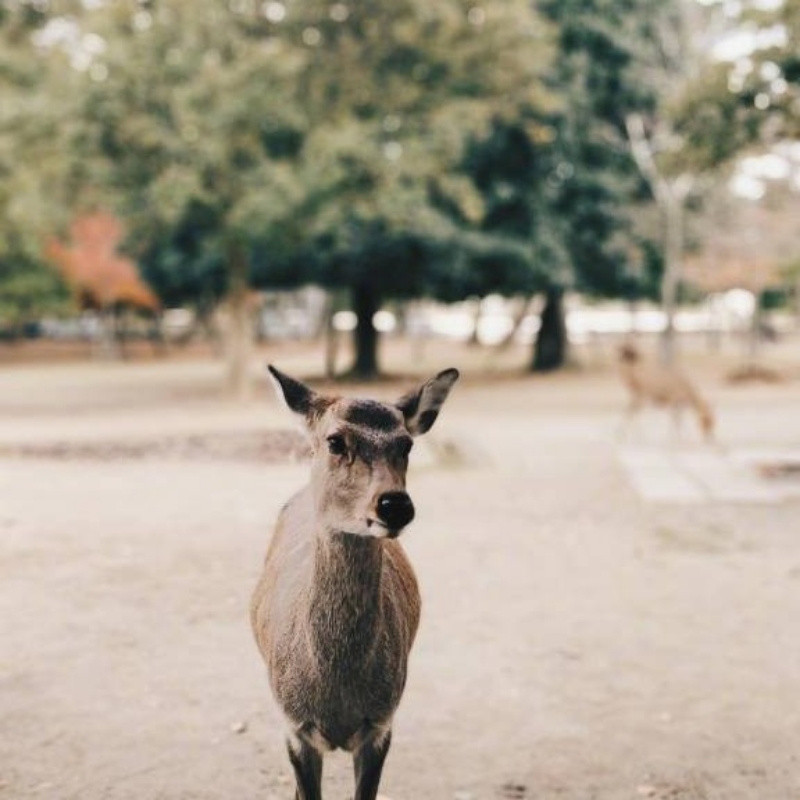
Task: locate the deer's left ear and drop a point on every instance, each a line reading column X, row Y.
column 421, row 406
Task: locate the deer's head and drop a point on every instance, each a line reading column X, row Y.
column 628, row 353
column 360, row 452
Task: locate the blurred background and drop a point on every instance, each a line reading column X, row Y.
column 365, row 193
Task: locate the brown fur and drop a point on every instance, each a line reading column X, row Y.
column 334, row 618
column 654, row 384
column 337, row 607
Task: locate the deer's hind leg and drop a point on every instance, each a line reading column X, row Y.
column 631, row 416
column 307, row 764
column 368, row 762
column 677, row 421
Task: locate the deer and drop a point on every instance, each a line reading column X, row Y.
column 661, row 386
column 336, row 608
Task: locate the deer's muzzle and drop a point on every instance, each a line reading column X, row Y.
column 395, row 510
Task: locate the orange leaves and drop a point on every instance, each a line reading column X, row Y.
column 92, row 266
column 744, row 247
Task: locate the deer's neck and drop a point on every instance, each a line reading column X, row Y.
column 628, row 371
column 345, row 599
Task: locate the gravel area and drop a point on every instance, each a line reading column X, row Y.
column 577, row 643
column 260, row 446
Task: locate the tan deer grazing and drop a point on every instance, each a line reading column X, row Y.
column 336, row 608
column 658, row 385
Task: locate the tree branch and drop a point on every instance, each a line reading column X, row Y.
column 642, row 152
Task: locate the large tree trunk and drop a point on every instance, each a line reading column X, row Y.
column 239, row 328
column 550, row 348
column 672, row 207
column 366, row 303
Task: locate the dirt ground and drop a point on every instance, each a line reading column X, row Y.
column 577, row 643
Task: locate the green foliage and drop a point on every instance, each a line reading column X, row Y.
column 28, row 290
column 31, row 169
column 447, row 149
column 409, row 85
column 185, row 127
column 560, row 179
column 751, row 101
column 714, row 122
column 609, row 66
column 317, row 134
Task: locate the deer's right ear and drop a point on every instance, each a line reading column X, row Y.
column 297, row 396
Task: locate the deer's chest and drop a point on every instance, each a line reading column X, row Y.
column 339, row 671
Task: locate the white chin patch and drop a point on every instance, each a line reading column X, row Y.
column 376, row 529
column 368, row 529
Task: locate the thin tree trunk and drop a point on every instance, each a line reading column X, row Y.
column 331, row 335
column 417, row 334
column 477, row 316
column 754, row 338
column 550, row 347
column 714, row 332
column 670, row 196
column 121, row 320
column 106, row 346
column 519, row 318
column 797, row 299
column 633, row 310
column 240, row 329
column 673, row 249
column 207, row 326
column 366, row 304
column 156, row 334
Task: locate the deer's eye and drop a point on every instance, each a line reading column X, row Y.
column 337, row 445
column 405, row 448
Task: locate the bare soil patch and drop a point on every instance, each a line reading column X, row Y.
column 576, row 643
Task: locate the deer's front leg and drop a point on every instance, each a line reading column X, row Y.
column 368, row 762
column 626, row 423
column 307, row 763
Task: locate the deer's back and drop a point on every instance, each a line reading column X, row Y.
column 658, row 385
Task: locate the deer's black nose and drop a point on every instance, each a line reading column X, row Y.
column 395, row 510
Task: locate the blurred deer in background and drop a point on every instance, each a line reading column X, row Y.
column 336, row 609
column 658, row 385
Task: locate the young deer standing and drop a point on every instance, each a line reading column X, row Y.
column 661, row 386
column 336, row 609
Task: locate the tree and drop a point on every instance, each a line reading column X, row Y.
column 29, row 170
column 172, row 127
column 100, row 278
column 747, row 244
column 510, row 168
column 651, row 53
column 560, row 179
column 260, row 143
column 742, row 111
column 393, row 93
column 92, row 265
column 749, row 96
column 28, row 291
column 729, row 83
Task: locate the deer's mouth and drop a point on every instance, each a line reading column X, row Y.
column 381, row 530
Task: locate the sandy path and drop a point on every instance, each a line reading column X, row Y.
column 575, row 641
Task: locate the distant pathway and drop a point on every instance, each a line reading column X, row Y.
column 661, row 474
